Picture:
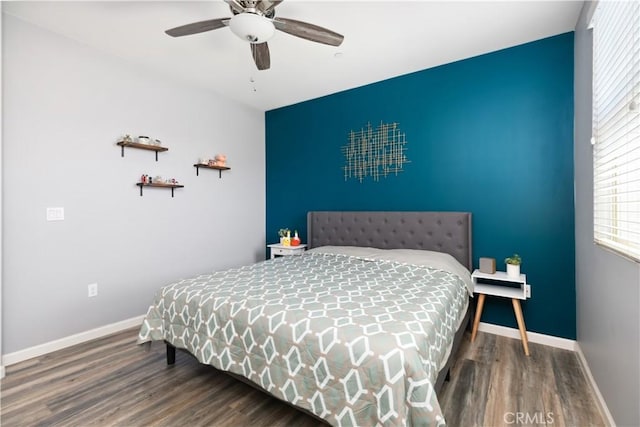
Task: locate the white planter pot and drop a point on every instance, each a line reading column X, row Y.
column 513, row 271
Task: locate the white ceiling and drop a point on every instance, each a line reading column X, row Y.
column 383, row 39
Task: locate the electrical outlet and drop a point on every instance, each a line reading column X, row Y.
column 55, row 214
column 527, row 291
column 92, row 290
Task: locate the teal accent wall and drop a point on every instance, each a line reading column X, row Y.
column 492, row 135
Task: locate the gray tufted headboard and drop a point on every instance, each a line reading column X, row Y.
column 448, row 232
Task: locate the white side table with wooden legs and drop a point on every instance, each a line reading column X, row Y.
column 515, row 293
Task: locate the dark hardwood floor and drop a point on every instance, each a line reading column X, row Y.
column 113, row 381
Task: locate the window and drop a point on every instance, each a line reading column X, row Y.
column 616, row 126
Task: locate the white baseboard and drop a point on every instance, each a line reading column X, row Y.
column 1, row 371
column 39, row 350
column 603, row 405
column 535, row 337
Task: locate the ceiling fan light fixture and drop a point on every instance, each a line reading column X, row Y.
column 251, row 27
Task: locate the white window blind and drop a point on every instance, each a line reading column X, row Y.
column 616, row 126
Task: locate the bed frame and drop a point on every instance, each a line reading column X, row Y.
column 448, row 232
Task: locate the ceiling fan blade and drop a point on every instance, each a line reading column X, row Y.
column 198, row 27
column 260, row 53
column 308, row 31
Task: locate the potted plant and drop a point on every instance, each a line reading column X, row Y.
column 283, row 233
column 513, row 265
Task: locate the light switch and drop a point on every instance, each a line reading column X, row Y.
column 55, row 214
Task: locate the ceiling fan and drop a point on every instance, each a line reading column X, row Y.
column 254, row 21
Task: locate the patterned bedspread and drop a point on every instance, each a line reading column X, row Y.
column 355, row 340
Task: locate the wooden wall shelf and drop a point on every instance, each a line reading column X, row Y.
column 171, row 186
column 218, row 168
column 155, row 148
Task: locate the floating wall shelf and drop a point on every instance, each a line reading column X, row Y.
column 155, row 148
column 218, row 168
column 171, row 186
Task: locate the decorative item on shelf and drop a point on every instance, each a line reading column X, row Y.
column 295, row 241
column 144, row 140
column 221, row 160
column 127, row 139
column 513, row 265
column 282, row 233
column 158, row 180
column 286, row 241
column 488, row 265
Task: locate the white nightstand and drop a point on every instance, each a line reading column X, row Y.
column 516, row 294
column 281, row 250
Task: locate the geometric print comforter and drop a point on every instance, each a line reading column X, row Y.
column 356, row 340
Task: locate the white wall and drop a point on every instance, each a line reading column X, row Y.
column 607, row 285
column 65, row 105
column 1, row 209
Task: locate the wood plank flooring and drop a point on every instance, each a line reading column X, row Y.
column 113, row 381
column 494, row 384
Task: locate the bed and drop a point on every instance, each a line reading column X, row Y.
column 360, row 330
